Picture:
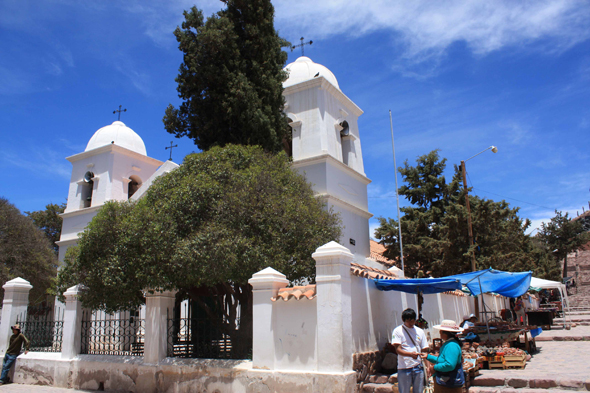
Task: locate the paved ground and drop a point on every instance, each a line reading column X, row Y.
column 580, row 332
column 558, row 365
column 567, row 359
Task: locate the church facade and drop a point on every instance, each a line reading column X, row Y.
column 326, row 149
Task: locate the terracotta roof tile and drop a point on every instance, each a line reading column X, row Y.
column 370, row 272
column 307, row 291
column 376, row 253
column 456, row 292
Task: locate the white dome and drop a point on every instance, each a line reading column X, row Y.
column 303, row 69
column 120, row 134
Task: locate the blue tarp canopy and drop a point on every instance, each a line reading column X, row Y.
column 423, row 285
column 503, row 283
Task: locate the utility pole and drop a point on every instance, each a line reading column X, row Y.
column 470, row 228
column 494, row 149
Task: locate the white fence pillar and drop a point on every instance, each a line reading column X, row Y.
column 16, row 301
column 334, row 311
column 158, row 306
column 265, row 284
column 72, row 330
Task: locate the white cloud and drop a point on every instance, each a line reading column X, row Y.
column 373, row 225
column 39, row 160
column 425, row 29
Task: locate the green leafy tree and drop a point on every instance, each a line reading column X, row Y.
column 204, row 228
column 434, row 227
column 49, row 221
column 546, row 265
column 25, row 252
column 562, row 235
column 231, row 78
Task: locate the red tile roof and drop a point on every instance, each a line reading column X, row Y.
column 309, row 291
column 456, row 292
column 370, row 272
column 376, row 253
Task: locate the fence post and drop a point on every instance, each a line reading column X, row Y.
column 157, row 307
column 72, row 330
column 334, row 312
column 265, row 284
column 16, row 301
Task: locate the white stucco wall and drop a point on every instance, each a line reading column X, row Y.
column 374, row 314
column 295, row 334
column 345, row 191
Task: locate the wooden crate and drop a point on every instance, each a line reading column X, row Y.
column 514, row 358
column 518, row 364
column 496, row 365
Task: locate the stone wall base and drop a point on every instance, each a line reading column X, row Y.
column 172, row 375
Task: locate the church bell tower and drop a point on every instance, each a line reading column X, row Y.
column 327, row 147
column 113, row 167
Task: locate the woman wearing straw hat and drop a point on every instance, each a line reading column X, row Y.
column 448, row 365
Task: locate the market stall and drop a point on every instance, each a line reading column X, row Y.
column 547, row 312
column 507, row 284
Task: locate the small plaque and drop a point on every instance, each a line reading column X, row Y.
column 353, row 242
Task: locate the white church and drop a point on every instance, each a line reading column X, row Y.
column 326, row 149
column 325, row 337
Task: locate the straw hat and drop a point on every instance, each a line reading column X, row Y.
column 448, row 325
column 17, row 327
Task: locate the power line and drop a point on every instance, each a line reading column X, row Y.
column 514, row 199
column 475, row 188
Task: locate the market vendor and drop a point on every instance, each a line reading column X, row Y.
column 520, row 310
column 469, row 322
column 447, row 366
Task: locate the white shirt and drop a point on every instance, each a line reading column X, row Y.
column 401, row 335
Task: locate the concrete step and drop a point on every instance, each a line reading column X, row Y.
column 562, row 338
column 527, row 384
column 378, row 388
column 503, row 389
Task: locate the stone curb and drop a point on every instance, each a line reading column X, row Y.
column 533, row 383
column 562, row 338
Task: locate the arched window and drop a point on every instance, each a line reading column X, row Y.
column 87, row 188
column 134, row 184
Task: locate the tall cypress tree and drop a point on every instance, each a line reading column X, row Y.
column 231, row 78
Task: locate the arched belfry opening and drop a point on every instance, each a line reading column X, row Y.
column 87, row 189
column 346, row 141
column 133, row 185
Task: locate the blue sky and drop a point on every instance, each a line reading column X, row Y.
column 457, row 75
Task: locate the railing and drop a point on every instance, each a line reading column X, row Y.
column 112, row 336
column 197, row 338
column 43, row 326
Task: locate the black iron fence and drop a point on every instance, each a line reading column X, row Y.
column 197, row 338
column 43, row 326
column 104, row 334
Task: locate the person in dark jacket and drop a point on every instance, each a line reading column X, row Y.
column 14, row 347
